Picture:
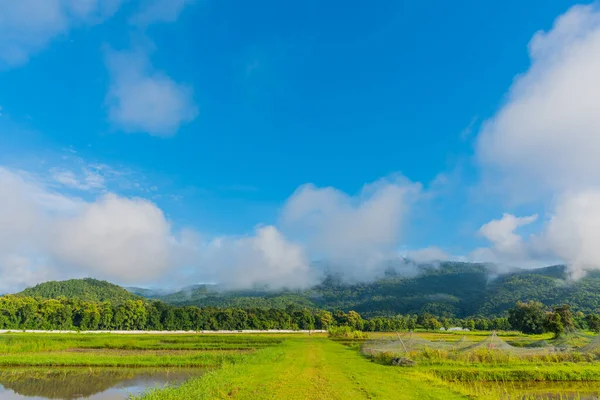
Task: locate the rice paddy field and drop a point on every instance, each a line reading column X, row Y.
column 303, row 366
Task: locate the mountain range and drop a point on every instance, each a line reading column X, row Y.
column 445, row 289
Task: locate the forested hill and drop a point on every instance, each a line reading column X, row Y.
column 451, row 289
column 548, row 285
column 87, row 289
column 447, row 290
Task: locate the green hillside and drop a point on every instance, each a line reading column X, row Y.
column 239, row 299
column 147, row 293
column 87, row 289
column 451, row 289
column 548, row 285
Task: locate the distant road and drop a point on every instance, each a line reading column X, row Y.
column 163, row 332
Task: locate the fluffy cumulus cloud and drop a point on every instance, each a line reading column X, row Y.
column 573, row 232
column 321, row 230
column 47, row 234
column 141, row 99
column 27, row 26
column 24, row 210
column 507, row 246
column 19, row 214
column 44, row 234
column 115, row 237
column 502, row 233
column 570, row 235
column 265, row 259
column 546, row 137
column 357, row 234
column 544, row 143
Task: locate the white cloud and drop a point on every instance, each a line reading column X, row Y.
column 19, row 213
column 141, row 99
column 502, row 233
column 355, row 236
column 19, row 271
column 545, row 138
column 93, row 180
column 47, row 234
column 88, row 179
column 264, row 258
column 64, row 177
column 27, row 26
column 357, row 233
column 573, row 232
column 508, row 249
column 26, row 212
column 570, row 236
column 428, row 254
column 543, row 144
column 115, row 237
column 153, row 11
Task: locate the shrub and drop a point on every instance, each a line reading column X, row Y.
column 346, row 332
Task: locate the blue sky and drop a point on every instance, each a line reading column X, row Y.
column 217, row 112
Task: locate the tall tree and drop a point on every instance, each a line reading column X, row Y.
column 566, row 317
column 527, row 317
column 593, row 322
column 553, row 323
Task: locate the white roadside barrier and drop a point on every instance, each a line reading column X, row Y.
column 164, row 332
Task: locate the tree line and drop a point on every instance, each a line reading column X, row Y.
column 533, row 317
column 24, row 312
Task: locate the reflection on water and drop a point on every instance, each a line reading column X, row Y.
column 539, row 390
column 88, row 383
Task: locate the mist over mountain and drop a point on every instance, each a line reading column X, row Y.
column 450, row 289
column 444, row 289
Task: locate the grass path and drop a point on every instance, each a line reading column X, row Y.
column 313, row 369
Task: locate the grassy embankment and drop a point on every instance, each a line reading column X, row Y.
column 307, row 368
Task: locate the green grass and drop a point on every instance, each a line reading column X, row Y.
column 491, row 374
column 129, row 350
column 307, row 369
column 27, row 343
column 493, row 365
column 119, row 359
column 245, row 367
column 529, row 390
column 518, row 372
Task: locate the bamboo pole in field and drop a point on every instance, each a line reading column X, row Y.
column 402, row 342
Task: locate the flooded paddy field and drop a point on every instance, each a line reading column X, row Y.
column 89, row 383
